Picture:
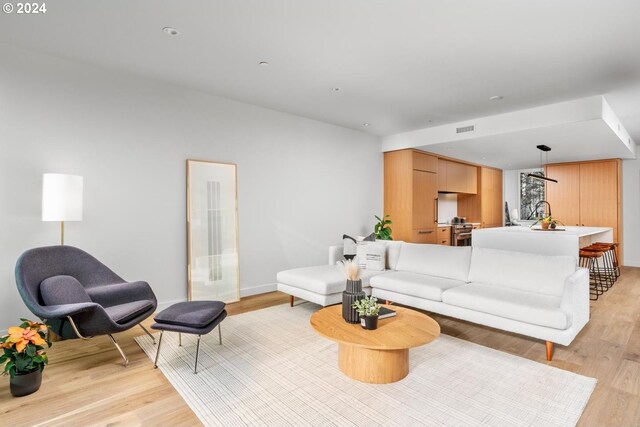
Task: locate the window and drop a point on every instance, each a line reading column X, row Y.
column 531, row 192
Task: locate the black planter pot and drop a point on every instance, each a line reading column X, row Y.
column 24, row 384
column 370, row 322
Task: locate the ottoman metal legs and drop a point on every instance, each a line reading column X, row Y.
column 195, row 369
column 190, row 317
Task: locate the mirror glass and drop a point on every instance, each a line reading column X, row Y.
column 212, row 231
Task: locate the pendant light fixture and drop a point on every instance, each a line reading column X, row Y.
column 543, row 149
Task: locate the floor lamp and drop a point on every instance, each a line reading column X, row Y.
column 61, row 199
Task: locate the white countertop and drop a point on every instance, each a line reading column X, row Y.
column 574, row 231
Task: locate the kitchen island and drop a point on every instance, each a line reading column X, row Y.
column 564, row 241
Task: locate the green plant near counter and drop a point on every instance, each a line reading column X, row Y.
column 547, row 222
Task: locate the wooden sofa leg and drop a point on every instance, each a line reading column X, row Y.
column 549, row 351
column 291, row 300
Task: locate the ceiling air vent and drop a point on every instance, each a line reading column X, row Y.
column 464, row 129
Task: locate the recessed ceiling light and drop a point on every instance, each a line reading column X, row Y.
column 263, row 63
column 171, row 31
column 335, row 89
column 496, row 98
column 366, row 124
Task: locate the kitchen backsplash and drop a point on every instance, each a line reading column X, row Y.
column 447, row 207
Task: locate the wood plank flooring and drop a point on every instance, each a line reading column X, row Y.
column 86, row 384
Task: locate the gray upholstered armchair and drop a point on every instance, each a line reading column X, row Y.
column 80, row 297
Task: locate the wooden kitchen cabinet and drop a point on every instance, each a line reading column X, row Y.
column 444, row 236
column 486, row 206
column 564, row 196
column 424, row 162
column 411, row 194
column 586, row 194
column 455, row 177
column 425, row 199
column 491, row 197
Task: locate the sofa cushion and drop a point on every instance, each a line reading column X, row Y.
column 393, row 252
column 528, row 307
column 451, row 262
column 191, row 314
column 122, row 313
column 322, row 279
column 544, row 274
column 415, row 285
column 371, row 256
column 62, row 289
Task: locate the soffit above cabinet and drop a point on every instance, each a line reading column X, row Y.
column 583, row 129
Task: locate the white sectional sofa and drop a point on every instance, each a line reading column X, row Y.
column 541, row 296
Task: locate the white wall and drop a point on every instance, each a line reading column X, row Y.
column 631, row 212
column 301, row 183
column 511, row 185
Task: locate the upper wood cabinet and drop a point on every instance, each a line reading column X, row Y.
column 411, row 194
column 564, row 196
column 424, row 162
column 454, row 177
column 586, row 194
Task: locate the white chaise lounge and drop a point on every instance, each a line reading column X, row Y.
column 545, row 297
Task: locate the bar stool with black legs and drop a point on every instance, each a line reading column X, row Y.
column 588, row 259
column 607, row 267
column 613, row 248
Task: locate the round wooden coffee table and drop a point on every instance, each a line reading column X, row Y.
column 380, row 356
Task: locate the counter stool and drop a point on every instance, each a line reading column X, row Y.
column 190, row 317
column 608, row 268
column 613, row 248
column 588, row 259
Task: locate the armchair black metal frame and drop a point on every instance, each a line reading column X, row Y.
column 116, row 305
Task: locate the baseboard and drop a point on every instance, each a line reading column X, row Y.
column 631, row 263
column 255, row 290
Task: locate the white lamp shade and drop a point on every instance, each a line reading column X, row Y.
column 61, row 197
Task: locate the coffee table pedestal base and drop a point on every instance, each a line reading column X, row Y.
column 373, row 366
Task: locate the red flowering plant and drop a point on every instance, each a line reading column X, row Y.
column 24, row 348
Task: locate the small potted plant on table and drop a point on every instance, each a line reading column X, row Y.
column 368, row 309
column 24, row 356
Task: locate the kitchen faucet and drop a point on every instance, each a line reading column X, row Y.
column 535, row 209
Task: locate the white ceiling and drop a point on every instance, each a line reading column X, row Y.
column 400, row 64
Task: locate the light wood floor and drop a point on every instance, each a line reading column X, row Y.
column 87, row 384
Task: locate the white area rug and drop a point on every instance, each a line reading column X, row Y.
column 274, row 370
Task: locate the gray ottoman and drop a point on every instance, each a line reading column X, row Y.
column 190, row 317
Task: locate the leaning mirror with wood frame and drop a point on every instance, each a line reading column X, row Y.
column 212, row 231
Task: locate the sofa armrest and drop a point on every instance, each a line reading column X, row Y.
column 336, row 254
column 63, row 310
column 120, row 293
column 575, row 298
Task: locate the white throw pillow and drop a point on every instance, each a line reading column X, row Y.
column 371, row 256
